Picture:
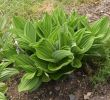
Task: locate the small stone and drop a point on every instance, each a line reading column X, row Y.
column 50, row 93
column 72, row 77
column 50, row 99
column 106, row 15
column 57, row 88
column 89, row 15
column 87, row 96
column 102, row 97
column 60, row 94
column 101, row 11
column 72, row 97
column 35, row 97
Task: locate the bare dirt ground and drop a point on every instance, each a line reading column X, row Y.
column 74, row 87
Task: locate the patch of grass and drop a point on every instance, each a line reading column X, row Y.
column 77, row 1
column 66, row 1
column 31, row 8
column 103, row 73
column 17, row 7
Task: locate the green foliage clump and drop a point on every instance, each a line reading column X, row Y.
column 52, row 47
column 5, row 70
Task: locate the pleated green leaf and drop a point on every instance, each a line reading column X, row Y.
column 3, row 87
column 76, row 63
column 59, row 65
column 44, row 50
column 58, row 55
column 19, row 22
column 30, row 32
column 45, row 77
column 85, row 44
column 65, row 37
column 25, row 62
column 28, row 84
column 100, row 27
column 2, row 96
column 7, row 73
column 41, row 64
column 47, row 24
column 79, row 35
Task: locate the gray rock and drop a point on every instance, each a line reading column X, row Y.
column 72, row 97
column 50, row 93
column 57, row 88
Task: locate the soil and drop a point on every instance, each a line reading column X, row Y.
column 75, row 86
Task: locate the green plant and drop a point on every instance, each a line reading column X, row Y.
column 101, row 50
column 5, row 63
column 3, row 89
column 54, row 46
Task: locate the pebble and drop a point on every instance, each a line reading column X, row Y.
column 72, row 97
column 102, row 11
column 35, row 97
column 87, row 96
column 102, row 97
column 50, row 93
column 57, row 88
column 89, row 15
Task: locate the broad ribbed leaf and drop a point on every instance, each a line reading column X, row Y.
column 85, row 44
column 24, row 44
column 25, row 62
column 41, row 64
column 44, row 50
column 84, row 20
column 3, row 87
column 100, row 27
column 97, row 50
column 20, row 34
column 58, row 55
column 65, row 37
column 7, row 73
column 39, row 72
column 19, row 22
column 107, row 36
column 73, row 19
column 5, row 64
column 23, row 59
column 47, row 24
column 76, row 63
column 63, row 71
column 29, row 32
column 41, row 30
column 2, row 96
column 55, row 18
column 53, row 37
column 30, row 75
column 27, row 68
column 45, row 77
column 79, row 35
column 9, row 52
column 59, row 65
column 59, row 17
column 28, row 84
